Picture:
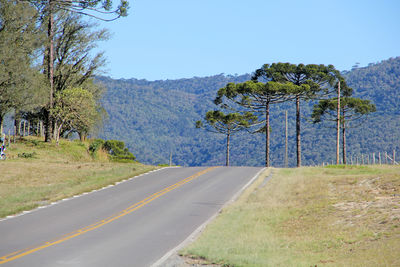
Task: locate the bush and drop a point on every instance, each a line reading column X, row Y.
column 115, row 148
column 118, row 150
column 96, row 145
column 27, row 155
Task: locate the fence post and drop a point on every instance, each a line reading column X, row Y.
column 373, row 158
column 380, row 160
column 394, row 156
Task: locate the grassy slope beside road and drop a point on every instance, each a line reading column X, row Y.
column 49, row 173
column 332, row 216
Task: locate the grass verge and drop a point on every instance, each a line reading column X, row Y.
column 332, row 216
column 38, row 173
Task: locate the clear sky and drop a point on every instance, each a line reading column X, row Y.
column 172, row 39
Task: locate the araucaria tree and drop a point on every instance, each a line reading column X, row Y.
column 99, row 9
column 351, row 109
column 256, row 97
column 218, row 122
column 318, row 80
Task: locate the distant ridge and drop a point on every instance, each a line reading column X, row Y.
column 156, row 118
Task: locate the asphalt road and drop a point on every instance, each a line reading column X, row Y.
column 131, row 224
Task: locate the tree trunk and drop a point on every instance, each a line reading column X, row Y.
column 227, row 147
column 267, row 135
column 338, row 127
column 50, row 73
column 1, row 124
column 82, row 136
column 344, row 139
column 56, row 131
column 17, row 121
column 298, row 138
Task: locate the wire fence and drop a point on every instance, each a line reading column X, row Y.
column 24, row 128
column 379, row 158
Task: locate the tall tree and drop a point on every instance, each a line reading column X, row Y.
column 256, row 97
column 99, row 9
column 319, row 79
column 74, row 63
column 20, row 38
column 351, row 109
column 218, row 122
column 74, row 42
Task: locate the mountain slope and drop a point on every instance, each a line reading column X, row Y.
column 156, row 118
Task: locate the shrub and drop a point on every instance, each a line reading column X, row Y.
column 115, row 148
column 96, row 145
column 27, row 155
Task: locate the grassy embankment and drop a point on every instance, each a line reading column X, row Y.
column 38, row 173
column 332, row 216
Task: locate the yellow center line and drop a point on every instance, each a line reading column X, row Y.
column 27, row 251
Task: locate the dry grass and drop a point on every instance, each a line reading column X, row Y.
column 55, row 172
column 310, row 216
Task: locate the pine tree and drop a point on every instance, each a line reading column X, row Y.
column 319, row 79
column 256, row 97
column 218, row 122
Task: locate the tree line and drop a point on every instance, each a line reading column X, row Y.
column 247, row 105
column 47, row 63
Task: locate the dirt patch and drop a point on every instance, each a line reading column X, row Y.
column 377, row 205
column 180, row 261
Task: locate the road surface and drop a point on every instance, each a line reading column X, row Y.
column 130, row 224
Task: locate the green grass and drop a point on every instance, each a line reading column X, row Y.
column 55, row 172
column 332, row 216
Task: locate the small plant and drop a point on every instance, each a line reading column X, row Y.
column 35, row 142
column 27, row 155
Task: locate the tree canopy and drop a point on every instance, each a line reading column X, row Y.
column 350, row 109
column 218, row 122
column 319, row 78
column 20, row 39
column 256, row 97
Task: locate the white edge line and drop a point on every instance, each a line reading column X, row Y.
column 76, row 196
column 193, row 236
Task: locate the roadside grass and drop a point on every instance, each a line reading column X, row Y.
column 44, row 173
column 311, row 216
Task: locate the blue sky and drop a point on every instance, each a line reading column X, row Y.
column 172, row 39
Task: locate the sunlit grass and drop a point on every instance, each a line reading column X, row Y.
column 55, row 172
column 345, row 216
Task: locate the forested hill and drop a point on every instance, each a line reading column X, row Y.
column 156, row 118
